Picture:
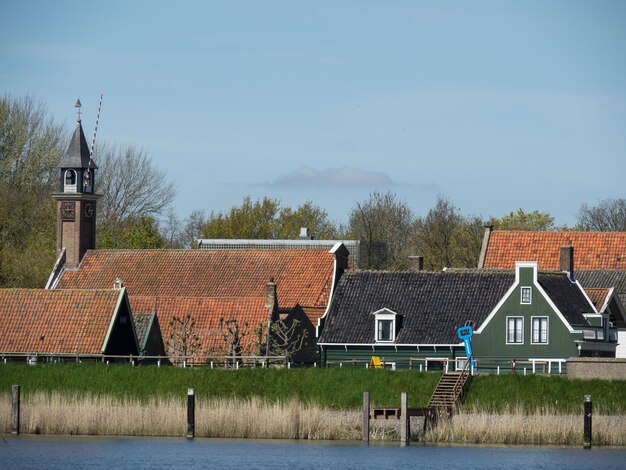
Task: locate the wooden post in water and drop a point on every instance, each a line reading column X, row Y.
column 15, row 409
column 404, row 420
column 587, row 431
column 366, row 416
column 191, row 413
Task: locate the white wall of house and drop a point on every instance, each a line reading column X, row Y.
column 620, row 351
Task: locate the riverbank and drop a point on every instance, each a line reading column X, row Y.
column 257, row 418
column 100, row 399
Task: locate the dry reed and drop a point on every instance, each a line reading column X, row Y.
column 515, row 426
column 62, row 413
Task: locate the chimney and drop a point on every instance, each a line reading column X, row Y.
column 118, row 284
column 483, row 248
column 567, row 260
column 304, row 234
column 416, row 263
column 271, row 302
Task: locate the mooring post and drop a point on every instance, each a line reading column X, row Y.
column 191, row 413
column 588, row 413
column 15, row 409
column 404, row 419
column 366, row 416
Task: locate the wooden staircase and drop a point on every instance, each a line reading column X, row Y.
column 449, row 390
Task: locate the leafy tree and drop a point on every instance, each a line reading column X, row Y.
column 140, row 233
column 132, row 188
column 306, row 215
column 608, row 216
column 520, row 220
column 445, row 238
column 266, row 219
column 31, row 147
column 384, row 225
column 183, row 342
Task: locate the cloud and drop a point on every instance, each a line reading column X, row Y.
column 333, row 177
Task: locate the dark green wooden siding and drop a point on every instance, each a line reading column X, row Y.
column 491, row 343
column 358, row 356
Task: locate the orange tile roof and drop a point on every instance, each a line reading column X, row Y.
column 207, row 313
column 597, row 295
column 302, row 276
column 592, row 250
column 48, row 321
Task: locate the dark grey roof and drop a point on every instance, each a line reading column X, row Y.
column 143, row 322
column 77, row 153
column 433, row 304
column 596, row 279
column 569, row 299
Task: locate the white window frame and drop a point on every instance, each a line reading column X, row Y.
column 385, row 315
column 68, row 187
column 532, row 330
column 530, row 295
column 508, row 319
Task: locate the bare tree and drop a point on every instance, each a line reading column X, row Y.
column 183, row 342
column 192, row 229
column 171, row 230
column 286, row 340
column 131, row 185
column 608, row 216
column 383, row 224
column 233, row 336
column 446, row 238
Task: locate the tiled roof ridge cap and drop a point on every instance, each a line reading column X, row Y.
column 196, row 250
column 442, row 271
column 558, row 231
column 69, row 290
column 194, row 297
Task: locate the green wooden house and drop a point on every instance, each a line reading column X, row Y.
column 410, row 319
column 544, row 318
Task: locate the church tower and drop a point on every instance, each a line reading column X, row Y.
column 76, row 201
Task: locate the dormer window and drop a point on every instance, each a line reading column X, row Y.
column 70, row 181
column 386, row 326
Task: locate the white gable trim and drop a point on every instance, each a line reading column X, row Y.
column 595, row 310
column 518, row 265
column 498, row 306
column 116, row 313
column 333, row 283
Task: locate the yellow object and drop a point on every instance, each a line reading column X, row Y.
column 375, row 362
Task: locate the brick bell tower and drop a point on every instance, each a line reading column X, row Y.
column 76, row 201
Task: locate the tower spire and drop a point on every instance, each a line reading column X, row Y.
column 78, row 105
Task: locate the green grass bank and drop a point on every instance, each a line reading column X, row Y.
column 337, row 388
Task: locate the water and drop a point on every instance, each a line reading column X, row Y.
column 53, row 452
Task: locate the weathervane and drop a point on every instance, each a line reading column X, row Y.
column 78, row 105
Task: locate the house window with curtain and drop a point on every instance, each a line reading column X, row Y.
column 539, row 330
column 515, row 330
column 385, row 330
column 386, row 326
column 526, row 293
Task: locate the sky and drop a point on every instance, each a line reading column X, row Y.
column 496, row 105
